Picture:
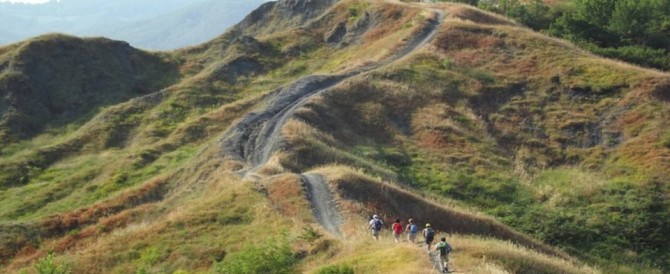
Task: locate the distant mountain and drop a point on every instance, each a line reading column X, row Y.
column 145, row 24
column 189, row 25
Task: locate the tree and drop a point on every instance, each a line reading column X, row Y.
column 631, row 20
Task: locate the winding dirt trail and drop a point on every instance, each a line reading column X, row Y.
column 258, row 135
column 323, row 204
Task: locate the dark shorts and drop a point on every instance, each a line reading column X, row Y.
column 429, row 240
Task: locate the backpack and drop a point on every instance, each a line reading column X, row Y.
column 378, row 224
column 413, row 228
column 430, row 233
column 444, row 248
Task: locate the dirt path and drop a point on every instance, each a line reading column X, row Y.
column 258, row 135
column 434, row 257
column 323, row 204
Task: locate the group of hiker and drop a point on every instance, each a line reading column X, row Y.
column 376, row 225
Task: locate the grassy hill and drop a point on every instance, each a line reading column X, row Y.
column 529, row 154
column 52, row 80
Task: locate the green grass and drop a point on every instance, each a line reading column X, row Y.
column 274, row 256
column 82, row 181
column 542, row 177
column 665, row 139
column 336, row 269
column 47, row 265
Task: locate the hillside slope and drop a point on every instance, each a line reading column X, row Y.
column 56, row 79
column 527, row 153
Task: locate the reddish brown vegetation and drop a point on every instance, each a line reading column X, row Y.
column 59, row 224
column 100, row 218
column 391, row 13
column 478, row 16
column 459, row 38
column 287, row 195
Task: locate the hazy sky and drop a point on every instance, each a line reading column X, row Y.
column 26, row 1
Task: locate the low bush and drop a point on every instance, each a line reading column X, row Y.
column 336, row 269
column 272, row 257
column 47, row 265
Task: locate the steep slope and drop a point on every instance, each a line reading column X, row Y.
column 400, row 116
column 569, row 147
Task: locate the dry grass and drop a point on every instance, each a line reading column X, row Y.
column 309, row 147
column 471, row 14
column 485, row 255
column 98, row 219
column 443, row 94
column 390, row 202
column 184, row 237
column 365, row 255
column 473, row 254
column 286, row 193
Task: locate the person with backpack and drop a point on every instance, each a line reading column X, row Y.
column 376, row 226
column 429, row 235
column 412, row 229
column 444, row 249
column 397, row 230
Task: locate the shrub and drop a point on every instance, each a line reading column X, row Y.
column 336, row 269
column 273, row 257
column 47, row 265
column 309, row 234
column 641, row 55
column 665, row 140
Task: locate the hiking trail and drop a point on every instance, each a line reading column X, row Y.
column 323, row 204
column 256, row 136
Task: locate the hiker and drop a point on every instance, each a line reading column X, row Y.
column 444, row 249
column 397, row 230
column 376, row 225
column 412, row 229
column 429, row 235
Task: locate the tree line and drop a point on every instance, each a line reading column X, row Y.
column 635, row 31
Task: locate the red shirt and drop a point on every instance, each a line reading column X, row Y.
column 397, row 228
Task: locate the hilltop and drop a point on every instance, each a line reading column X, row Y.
column 528, row 153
